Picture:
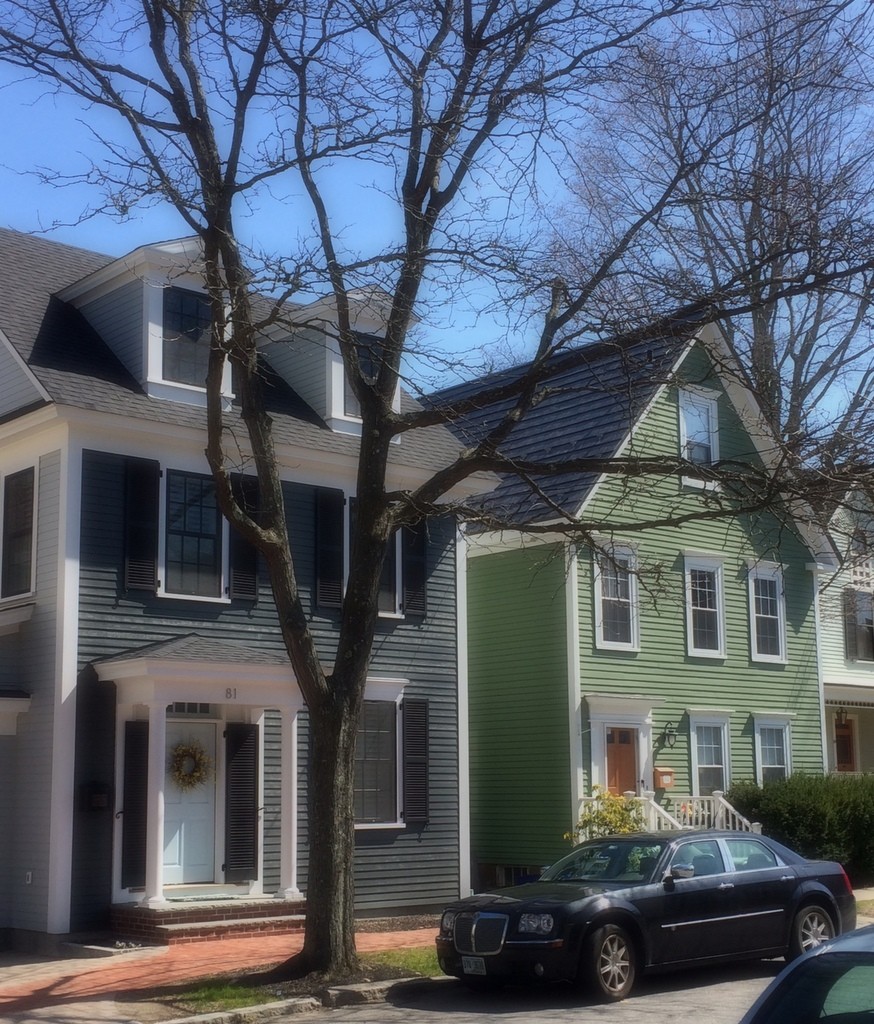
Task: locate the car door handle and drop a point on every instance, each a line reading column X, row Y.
column 726, row 885
column 787, row 878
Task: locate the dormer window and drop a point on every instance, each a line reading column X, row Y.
column 699, row 436
column 187, row 331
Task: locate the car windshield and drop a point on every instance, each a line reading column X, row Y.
column 832, row 987
column 607, row 860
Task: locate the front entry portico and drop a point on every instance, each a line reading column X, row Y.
column 215, row 697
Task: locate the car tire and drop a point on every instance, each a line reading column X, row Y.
column 609, row 963
column 811, row 927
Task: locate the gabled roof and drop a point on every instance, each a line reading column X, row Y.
column 584, row 412
column 76, row 368
column 194, row 647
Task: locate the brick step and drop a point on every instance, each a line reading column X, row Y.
column 237, row 928
column 196, row 920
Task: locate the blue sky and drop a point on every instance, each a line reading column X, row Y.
column 41, row 130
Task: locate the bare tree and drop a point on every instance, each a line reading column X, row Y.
column 788, row 197
column 456, row 110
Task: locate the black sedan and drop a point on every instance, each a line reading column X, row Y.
column 833, row 983
column 649, row 901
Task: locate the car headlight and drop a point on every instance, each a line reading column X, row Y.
column 447, row 921
column 539, row 924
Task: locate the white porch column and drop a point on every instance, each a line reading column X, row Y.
column 288, row 800
column 155, row 804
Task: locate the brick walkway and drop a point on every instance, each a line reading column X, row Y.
column 27, row 983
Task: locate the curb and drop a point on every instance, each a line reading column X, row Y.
column 330, row 998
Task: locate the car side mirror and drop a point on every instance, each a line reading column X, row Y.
column 682, row 871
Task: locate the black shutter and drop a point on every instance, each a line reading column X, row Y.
column 241, row 802
column 141, row 491
column 243, row 554
column 134, row 806
column 415, row 752
column 329, row 547
column 851, row 639
column 414, row 540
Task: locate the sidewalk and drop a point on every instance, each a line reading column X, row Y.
column 39, row 989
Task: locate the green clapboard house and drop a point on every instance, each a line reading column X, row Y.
column 669, row 661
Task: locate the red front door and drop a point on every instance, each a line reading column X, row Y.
column 621, row 759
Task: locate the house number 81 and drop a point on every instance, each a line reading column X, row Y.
column 231, row 693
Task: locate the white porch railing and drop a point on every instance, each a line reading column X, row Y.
column 688, row 812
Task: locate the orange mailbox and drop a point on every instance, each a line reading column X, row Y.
column 664, row 778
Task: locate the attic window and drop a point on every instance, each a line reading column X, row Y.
column 368, row 356
column 187, row 330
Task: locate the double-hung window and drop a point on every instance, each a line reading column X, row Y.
column 187, row 333
column 710, row 769
column 767, row 614
column 699, row 427
column 391, row 761
column 705, row 612
column 194, row 536
column 177, row 543
column 616, row 600
column 16, row 556
column 772, row 748
column 859, row 624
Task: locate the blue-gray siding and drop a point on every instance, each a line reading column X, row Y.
column 405, row 867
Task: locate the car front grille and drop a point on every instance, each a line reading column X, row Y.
column 480, row 933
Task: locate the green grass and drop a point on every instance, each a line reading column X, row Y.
column 213, row 995
column 417, row 961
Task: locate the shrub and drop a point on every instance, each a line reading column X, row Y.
column 606, row 815
column 827, row 816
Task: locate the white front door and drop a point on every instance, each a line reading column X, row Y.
column 189, row 813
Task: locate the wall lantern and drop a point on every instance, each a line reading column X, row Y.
column 669, row 736
column 841, row 716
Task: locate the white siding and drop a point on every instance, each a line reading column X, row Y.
column 31, row 762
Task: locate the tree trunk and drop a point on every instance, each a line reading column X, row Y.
column 330, row 934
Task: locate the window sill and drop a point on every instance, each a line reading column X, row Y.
column 607, row 645
column 369, row 826
column 691, row 483
column 709, row 655
column 201, row 599
column 14, row 611
column 764, row 659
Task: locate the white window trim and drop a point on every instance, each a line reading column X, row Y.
column 719, row 719
column 770, row 572
column 688, row 396
column 614, row 551
column 13, row 599
column 223, row 596
column 772, row 720
column 388, row 690
column 155, row 384
column 707, row 564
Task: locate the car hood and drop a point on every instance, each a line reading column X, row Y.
column 531, row 894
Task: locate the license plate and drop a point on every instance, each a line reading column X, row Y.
column 473, row 965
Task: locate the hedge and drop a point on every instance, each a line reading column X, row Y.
column 819, row 816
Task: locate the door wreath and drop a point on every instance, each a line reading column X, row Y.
column 190, row 765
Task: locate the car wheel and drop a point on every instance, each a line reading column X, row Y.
column 609, row 963
column 811, row 928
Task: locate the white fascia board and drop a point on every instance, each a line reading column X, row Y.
column 180, row 254
column 145, row 438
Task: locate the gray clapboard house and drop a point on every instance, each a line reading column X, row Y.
column 153, row 741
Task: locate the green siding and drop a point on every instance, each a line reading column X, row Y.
column 520, row 768
column 662, row 667
column 520, row 765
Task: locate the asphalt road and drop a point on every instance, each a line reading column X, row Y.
column 712, row 996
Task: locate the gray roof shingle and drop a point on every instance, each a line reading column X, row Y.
column 583, row 412
column 78, row 369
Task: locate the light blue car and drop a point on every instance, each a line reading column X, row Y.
column 832, row 983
